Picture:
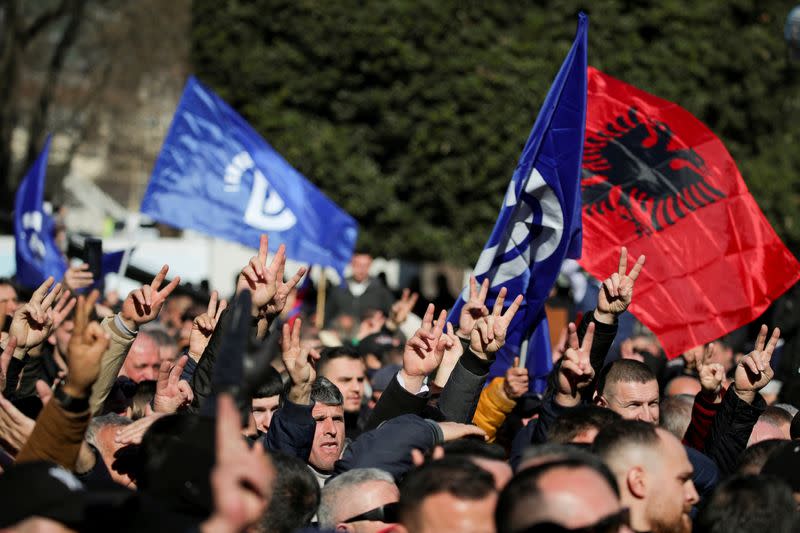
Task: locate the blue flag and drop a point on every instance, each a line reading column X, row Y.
column 539, row 224
column 216, row 175
column 111, row 262
column 37, row 254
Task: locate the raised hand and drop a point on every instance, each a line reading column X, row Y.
column 424, row 351
column 3, row 314
column 78, row 277
column 275, row 306
column 5, row 360
column 85, row 349
column 133, row 433
column 616, row 292
column 575, row 372
column 474, row 308
column 452, row 354
column 402, row 307
column 692, row 359
column 266, row 285
column 299, row 362
column 172, row 392
column 560, row 346
column 204, row 325
column 15, row 427
column 33, row 322
column 489, row 333
column 43, row 391
column 516, row 382
column 711, row 374
column 143, row 305
column 63, row 308
column 455, row 430
column 754, row 371
column 242, row 477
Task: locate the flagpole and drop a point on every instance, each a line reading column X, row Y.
column 321, row 290
column 523, row 353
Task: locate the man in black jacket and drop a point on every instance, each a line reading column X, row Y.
column 360, row 292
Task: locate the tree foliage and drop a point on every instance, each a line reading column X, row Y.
column 412, row 114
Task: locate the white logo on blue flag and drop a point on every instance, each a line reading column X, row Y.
column 215, row 174
column 539, row 224
column 32, row 227
column 266, row 210
column 37, row 254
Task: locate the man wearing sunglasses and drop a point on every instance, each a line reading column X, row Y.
column 362, row 500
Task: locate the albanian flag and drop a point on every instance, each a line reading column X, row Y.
column 658, row 181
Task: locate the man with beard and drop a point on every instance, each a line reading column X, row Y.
column 653, row 473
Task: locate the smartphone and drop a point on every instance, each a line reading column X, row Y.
column 93, row 256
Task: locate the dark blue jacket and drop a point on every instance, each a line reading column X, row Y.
column 389, row 446
column 292, row 430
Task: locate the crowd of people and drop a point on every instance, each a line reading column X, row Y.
column 159, row 413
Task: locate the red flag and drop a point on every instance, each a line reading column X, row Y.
column 658, row 181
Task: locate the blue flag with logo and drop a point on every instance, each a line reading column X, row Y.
column 37, row 254
column 539, row 224
column 215, row 174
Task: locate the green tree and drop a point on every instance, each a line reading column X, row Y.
column 412, row 114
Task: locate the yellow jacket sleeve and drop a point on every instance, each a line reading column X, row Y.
column 493, row 407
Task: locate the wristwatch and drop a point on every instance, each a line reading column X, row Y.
column 70, row 403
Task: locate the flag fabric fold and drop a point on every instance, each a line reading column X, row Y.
column 657, row 180
column 539, row 224
column 37, row 254
column 215, row 174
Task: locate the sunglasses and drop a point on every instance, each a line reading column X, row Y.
column 609, row 524
column 385, row 513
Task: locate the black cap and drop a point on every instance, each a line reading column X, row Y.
column 784, row 463
column 381, row 378
column 177, row 455
column 47, row 490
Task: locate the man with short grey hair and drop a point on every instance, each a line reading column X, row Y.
column 362, row 500
column 328, row 413
column 676, row 414
column 101, row 435
column 310, row 424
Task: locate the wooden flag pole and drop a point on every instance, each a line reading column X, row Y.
column 321, row 288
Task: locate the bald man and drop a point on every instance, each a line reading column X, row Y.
column 774, row 423
column 143, row 359
column 682, row 385
column 653, row 472
column 568, row 493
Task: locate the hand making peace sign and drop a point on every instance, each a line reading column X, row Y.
column 575, row 372
column 489, row 332
column 269, row 292
column 754, row 371
column 616, row 292
column 143, row 305
column 33, row 321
